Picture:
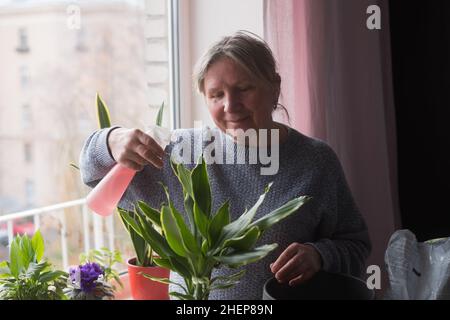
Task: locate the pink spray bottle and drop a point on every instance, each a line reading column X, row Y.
column 103, row 199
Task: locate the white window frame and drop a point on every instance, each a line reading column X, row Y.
column 174, row 61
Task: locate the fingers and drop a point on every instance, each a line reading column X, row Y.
column 149, row 142
column 284, row 257
column 297, row 264
column 135, row 149
column 148, row 156
column 291, row 269
column 301, row 278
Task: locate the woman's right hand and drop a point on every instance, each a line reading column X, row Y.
column 134, row 149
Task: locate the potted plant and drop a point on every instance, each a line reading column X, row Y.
column 142, row 288
column 91, row 280
column 207, row 241
column 106, row 259
column 27, row 275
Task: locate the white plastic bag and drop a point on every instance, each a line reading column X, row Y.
column 417, row 270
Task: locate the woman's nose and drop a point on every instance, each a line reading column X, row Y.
column 231, row 103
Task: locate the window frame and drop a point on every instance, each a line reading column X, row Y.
column 174, row 61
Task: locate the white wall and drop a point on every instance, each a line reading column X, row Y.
column 204, row 22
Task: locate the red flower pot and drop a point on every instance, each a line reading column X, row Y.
column 143, row 288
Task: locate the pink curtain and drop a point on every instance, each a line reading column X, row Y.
column 336, row 85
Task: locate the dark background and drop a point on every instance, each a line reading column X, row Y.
column 420, row 36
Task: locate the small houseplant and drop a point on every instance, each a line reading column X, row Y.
column 27, row 275
column 92, row 279
column 207, row 241
column 106, row 259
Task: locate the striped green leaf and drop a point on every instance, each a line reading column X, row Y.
column 104, row 120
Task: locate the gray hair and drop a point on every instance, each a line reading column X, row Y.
column 249, row 51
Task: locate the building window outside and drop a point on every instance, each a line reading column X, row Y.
column 23, row 41
column 28, row 153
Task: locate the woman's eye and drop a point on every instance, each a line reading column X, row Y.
column 244, row 89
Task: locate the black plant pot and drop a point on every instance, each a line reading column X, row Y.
column 323, row 286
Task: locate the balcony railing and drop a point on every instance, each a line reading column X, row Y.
column 60, row 208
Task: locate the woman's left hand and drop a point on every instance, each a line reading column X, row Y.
column 297, row 264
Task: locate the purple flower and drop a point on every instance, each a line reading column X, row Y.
column 85, row 276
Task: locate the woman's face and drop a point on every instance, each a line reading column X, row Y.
column 235, row 100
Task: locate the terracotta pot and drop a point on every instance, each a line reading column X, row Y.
column 145, row 289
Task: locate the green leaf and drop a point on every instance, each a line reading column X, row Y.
column 201, row 221
column 244, row 258
column 233, row 277
column 239, row 226
column 172, row 232
column 284, row 211
column 37, row 243
column 181, row 296
column 4, row 269
column 130, row 219
column 158, row 243
column 159, row 117
column 189, row 209
column 181, row 266
column 188, row 238
column 163, row 262
column 201, row 187
column 139, row 244
column 163, row 280
column 153, row 214
column 102, row 113
column 15, row 257
column 244, row 242
column 189, row 242
column 27, row 251
column 220, row 219
column 73, row 165
column 34, row 269
column 51, row 276
column 205, row 247
column 184, row 176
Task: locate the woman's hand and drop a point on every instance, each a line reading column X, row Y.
column 134, row 149
column 297, row 264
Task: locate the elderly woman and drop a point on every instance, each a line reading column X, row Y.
column 238, row 79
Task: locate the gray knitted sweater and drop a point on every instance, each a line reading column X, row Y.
column 330, row 222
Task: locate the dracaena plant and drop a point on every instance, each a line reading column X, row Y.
column 193, row 248
column 27, row 275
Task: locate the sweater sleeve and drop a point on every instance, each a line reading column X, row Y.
column 95, row 158
column 343, row 238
